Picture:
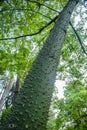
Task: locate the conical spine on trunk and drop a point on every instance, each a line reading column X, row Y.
column 30, row 110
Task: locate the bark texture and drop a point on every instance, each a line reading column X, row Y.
column 5, row 93
column 16, row 89
column 30, row 110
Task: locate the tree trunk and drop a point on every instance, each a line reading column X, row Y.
column 17, row 86
column 30, row 110
column 6, row 92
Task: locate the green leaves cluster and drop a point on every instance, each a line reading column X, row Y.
column 4, row 115
column 17, row 54
column 72, row 108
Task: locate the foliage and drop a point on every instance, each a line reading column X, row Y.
column 4, row 115
column 73, row 107
column 17, row 54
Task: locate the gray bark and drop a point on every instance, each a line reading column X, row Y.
column 6, row 92
column 30, row 110
column 17, row 86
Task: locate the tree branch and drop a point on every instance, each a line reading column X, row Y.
column 40, row 30
column 78, row 37
column 13, row 9
column 26, row 35
column 43, row 5
column 81, row 44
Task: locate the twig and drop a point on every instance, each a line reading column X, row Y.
column 43, row 5
column 78, row 37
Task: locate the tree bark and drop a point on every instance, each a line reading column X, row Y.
column 30, row 110
column 6, row 92
column 17, row 86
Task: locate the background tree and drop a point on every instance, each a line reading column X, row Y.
column 73, row 108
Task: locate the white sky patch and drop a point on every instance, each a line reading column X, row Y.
column 77, row 19
column 85, row 42
column 60, row 84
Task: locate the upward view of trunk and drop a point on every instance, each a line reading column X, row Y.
column 31, row 107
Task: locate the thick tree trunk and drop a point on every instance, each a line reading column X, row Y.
column 30, row 110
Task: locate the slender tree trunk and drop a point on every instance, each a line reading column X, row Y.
column 6, row 92
column 17, row 86
column 30, row 110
